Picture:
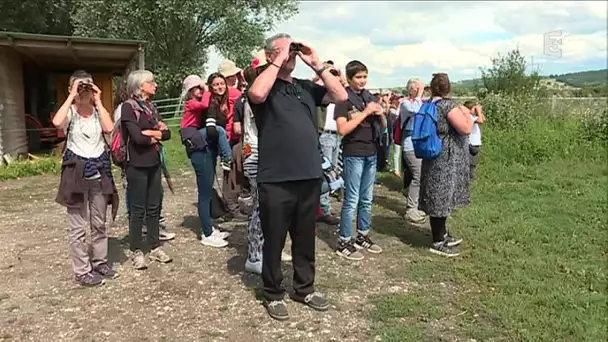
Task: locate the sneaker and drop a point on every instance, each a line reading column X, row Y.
column 346, row 249
column 157, row 254
column 254, row 266
column 226, row 165
column 314, row 300
column 442, row 248
column 139, row 260
column 452, row 241
column 165, row 235
column 106, row 271
column 364, row 242
column 413, row 215
column 90, row 279
column 220, row 234
column 329, row 220
column 286, row 256
column 213, row 240
column 277, row 309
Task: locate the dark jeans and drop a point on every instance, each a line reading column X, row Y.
column 289, row 207
column 204, row 163
column 144, row 188
column 128, row 202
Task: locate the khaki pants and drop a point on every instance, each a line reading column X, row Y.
column 91, row 215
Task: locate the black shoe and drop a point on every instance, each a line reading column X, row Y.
column 364, row 242
column 315, row 301
column 277, row 309
column 442, row 248
column 452, row 241
column 329, row 220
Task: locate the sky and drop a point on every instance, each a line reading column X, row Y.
column 398, row 40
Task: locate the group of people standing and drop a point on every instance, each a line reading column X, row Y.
column 287, row 142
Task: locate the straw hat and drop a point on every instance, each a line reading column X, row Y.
column 227, row 68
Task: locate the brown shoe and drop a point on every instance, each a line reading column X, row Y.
column 329, row 220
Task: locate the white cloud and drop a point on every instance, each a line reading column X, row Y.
column 398, row 40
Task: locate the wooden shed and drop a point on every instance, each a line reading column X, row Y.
column 34, row 77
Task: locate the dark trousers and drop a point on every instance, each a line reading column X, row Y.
column 289, row 207
column 145, row 192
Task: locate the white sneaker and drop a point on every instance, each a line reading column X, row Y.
column 253, row 267
column 213, row 240
column 220, row 234
column 286, row 257
column 413, row 215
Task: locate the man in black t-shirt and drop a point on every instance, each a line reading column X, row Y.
column 361, row 122
column 289, row 167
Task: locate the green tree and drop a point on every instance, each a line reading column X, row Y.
column 180, row 32
column 508, row 75
column 36, row 16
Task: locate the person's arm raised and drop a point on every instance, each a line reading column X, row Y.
column 460, row 118
column 258, row 92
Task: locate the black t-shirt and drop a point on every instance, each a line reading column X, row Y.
column 288, row 141
column 360, row 142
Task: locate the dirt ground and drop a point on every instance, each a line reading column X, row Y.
column 204, row 295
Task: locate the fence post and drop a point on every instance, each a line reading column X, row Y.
column 553, row 104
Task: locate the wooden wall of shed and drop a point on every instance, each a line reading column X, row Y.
column 12, row 122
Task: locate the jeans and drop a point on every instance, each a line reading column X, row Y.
column 144, row 186
column 359, row 176
column 204, row 163
column 329, row 147
column 222, row 142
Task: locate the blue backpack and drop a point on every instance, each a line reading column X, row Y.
column 425, row 136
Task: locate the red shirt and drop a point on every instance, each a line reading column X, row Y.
column 193, row 112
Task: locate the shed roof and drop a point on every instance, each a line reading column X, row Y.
column 66, row 53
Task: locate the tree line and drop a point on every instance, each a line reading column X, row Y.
column 179, row 32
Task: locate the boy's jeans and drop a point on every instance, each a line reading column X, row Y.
column 359, row 176
column 222, row 142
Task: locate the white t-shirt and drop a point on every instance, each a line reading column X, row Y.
column 117, row 113
column 85, row 136
column 330, row 123
column 475, row 136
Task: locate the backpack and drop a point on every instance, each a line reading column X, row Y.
column 118, row 148
column 425, row 135
column 398, row 132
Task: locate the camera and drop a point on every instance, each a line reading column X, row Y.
column 84, row 86
column 334, row 72
column 295, row 47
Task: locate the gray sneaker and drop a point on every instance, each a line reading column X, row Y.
column 157, row 254
column 139, row 260
column 314, row 300
column 442, row 248
column 364, row 242
column 106, row 271
column 165, row 235
column 277, row 309
column 90, row 279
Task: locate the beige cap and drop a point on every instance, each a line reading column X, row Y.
column 227, row 68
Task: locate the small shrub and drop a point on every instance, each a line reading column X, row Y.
column 27, row 168
column 595, row 126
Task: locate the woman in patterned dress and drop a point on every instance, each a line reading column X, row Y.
column 445, row 180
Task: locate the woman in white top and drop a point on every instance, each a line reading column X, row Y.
column 86, row 185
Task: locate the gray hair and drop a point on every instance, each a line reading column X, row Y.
column 411, row 83
column 136, row 79
column 269, row 43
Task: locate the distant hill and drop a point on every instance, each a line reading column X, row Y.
column 580, row 79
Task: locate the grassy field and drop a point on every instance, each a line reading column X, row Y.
column 533, row 266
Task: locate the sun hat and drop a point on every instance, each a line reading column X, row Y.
column 259, row 60
column 191, row 81
column 227, row 68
